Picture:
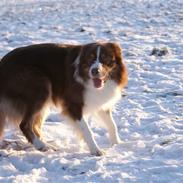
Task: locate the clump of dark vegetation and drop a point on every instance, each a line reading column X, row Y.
column 160, row 51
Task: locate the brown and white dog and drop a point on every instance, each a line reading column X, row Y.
column 82, row 80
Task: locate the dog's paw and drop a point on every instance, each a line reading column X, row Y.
column 40, row 145
column 98, row 152
column 44, row 148
column 116, row 141
column 48, row 148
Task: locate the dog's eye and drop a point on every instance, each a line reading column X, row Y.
column 104, row 56
column 108, row 60
column 110, row 63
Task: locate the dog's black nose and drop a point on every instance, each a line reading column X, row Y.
column 95, row 71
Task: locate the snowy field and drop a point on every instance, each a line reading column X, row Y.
column 149, row 116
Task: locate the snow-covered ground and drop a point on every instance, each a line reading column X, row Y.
column 150, row 115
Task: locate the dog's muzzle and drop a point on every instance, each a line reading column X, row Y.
column 97, row 77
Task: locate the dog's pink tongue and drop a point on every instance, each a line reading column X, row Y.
column 97, row 82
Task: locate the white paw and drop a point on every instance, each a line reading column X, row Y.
column 44, row 149
column 97, row 152
column 116, row 141
column 39, row 145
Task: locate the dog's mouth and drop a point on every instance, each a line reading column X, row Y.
column 98, row 83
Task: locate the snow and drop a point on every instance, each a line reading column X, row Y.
column 149, row 116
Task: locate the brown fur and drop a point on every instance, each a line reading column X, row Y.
column 31, row 77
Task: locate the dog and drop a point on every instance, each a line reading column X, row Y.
column 81, row 80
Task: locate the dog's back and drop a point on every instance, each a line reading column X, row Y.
column 48, row 59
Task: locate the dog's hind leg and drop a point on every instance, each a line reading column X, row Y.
column 34, row 106
column 31, row 126
column 38, row 122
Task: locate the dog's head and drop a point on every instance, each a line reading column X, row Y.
column 100, row 62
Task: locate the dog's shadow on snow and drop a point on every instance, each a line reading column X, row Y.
column 16, row 145
column 12, row 145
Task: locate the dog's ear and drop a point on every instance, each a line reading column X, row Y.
column 117, row 50
column 87, row 48
column 119, row 58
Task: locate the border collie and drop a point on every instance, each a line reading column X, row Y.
column 81, row 80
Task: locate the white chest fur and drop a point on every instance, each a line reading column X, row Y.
column 104, row 98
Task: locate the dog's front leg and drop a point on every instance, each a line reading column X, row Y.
column 88, row 137
column 106, row 117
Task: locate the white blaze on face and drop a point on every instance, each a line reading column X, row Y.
column 98, row 78
column 98, row 53
column 97, row 63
